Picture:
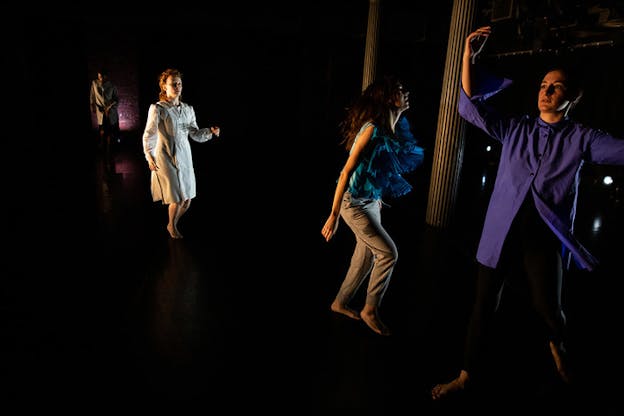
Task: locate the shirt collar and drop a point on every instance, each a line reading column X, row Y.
column 555, row 126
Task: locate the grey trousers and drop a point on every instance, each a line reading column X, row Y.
column 375, row 253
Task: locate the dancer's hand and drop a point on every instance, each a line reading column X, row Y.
column 476, row 41
column 152, row 165
column 330, row 227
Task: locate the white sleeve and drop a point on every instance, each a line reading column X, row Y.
column 150, row 134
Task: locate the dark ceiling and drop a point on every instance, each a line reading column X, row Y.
column 550, row 26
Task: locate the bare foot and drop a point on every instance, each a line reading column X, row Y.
column 374, row 322
column 345, row 310
column 440, row 391
column 173, row 232
column 559, row 357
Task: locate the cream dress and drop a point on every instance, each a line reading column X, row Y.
column 166, row 139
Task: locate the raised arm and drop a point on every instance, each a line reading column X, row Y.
column 472, row 47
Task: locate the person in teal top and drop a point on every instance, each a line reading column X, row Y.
column 381, row 149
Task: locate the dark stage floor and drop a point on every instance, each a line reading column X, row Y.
column 236, row 316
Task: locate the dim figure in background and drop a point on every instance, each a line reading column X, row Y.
column 170, row 124
column 104, row 101
column 529, row 222
column 381, row 149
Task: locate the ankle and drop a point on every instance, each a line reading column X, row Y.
column 463, row 378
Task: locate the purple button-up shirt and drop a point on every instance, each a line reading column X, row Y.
column 541, row 158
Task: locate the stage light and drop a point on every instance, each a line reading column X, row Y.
column 597, row 224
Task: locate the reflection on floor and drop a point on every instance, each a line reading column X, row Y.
column 236, row 315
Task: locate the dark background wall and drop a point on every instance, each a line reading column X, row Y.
column 276, row 78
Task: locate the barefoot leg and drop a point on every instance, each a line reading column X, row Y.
column 560, row 362
column 174, row 216
column 173, row 232
column 338, row 307
column 370, row 316
column 440, row 391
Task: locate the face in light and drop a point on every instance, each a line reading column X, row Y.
column 173, row 86
column 402, row 98
column 553, row 93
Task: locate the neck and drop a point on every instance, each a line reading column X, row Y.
column 394, row 117
column 552, row 117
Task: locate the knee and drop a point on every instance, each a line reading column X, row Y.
column 389, row 257
column 394, row 254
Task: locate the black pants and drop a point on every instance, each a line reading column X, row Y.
column 533, row 251
column 108, row 131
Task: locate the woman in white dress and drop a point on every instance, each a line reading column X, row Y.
column 170, row 124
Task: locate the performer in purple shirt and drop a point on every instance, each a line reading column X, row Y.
column 530, row 218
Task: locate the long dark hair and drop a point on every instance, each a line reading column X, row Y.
column 373, row 105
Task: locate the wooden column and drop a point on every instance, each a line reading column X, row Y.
column 449, row 145
column 372, row 40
